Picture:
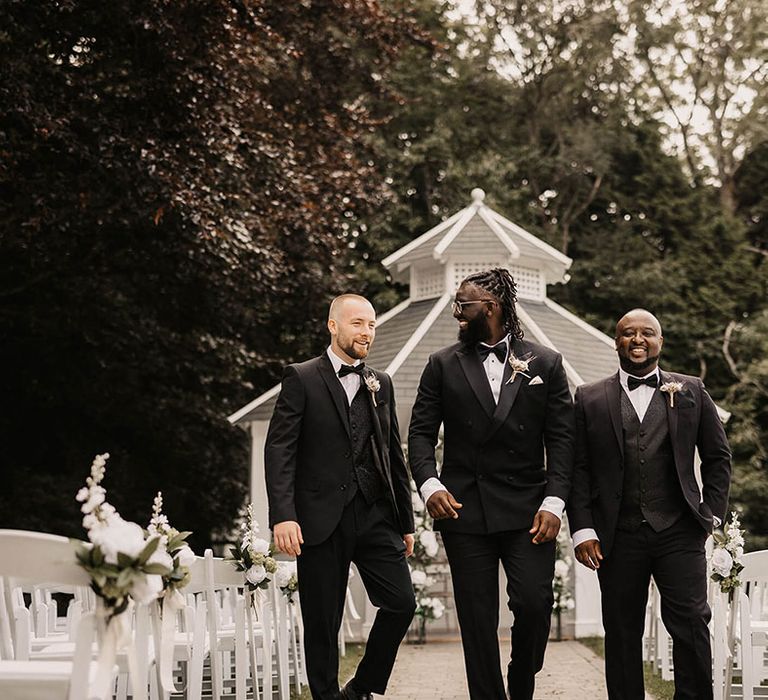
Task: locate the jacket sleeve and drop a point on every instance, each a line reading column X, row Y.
column 282, row 446
column 401, row 480
column 426, row 417
column 579, row 502
column 559, row 433
column 715, row 455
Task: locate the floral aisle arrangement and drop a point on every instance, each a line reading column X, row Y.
column 125, row 564
column 726, row 556
column 123, row 561
column 178, row 557
column 252, row 555
column 561, row 583
column 425, row 549
column 287, row 579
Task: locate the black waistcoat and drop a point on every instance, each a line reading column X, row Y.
column 651, row 490
column 364, row 472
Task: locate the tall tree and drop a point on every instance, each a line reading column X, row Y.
column 174, row 181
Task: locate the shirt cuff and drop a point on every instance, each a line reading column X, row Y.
column 429, row 487
column 554, row 505
column 583, row 535
column 716, row 521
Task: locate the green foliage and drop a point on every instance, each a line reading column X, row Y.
column 174, row 180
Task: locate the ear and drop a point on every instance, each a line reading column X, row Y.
column 332, row 326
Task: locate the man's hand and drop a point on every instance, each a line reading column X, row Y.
column 288, row 537
column 590, row 554
column 442, row 505
column 546, row 525
column 409, row 542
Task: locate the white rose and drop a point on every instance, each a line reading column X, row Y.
column 161, row 556
column 146, row 588
column 429, row 542
column 561, row 568
column 437, row 608
column 285, row 570
column 186, row 556
column 256, row 574
column 118, row 536
column 418, row 504
column 722, row 562
column 259, row 546
column 418, row 577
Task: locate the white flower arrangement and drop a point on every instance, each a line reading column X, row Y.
column 123, row 561
column 373, row 385
column 671, row 388
column 176, row 554
column 520, row 366
column 429, row 608
column 727, row 555
column 287, row 579
column 252, row 555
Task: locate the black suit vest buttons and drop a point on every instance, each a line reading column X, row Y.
column 343, row 487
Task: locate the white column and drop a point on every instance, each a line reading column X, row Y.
column 258, row 431
column 589, row 619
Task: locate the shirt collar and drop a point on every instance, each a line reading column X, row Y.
column 336, row 361
column 504, row 340
column 623, row 375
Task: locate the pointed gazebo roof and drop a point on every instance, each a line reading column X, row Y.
column 434, row 264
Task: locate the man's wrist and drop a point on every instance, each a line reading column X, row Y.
column 584, row 535
column 430, row 487
column 554, row 505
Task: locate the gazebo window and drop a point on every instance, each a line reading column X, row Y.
column 428, row 284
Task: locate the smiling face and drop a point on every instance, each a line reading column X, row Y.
column 352, row 324
column 638, row 342
column 474, row 316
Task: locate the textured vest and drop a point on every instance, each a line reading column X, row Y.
column 364, row 473
column 651, row 490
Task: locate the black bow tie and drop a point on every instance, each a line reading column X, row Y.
column 634, row 382
column 500, row 350
column 344, row 370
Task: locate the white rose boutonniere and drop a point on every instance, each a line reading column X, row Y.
column 671, row 388
column 519, row 365
column 373, row 385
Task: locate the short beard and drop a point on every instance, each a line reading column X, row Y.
column 477, row 331
column 634, row 367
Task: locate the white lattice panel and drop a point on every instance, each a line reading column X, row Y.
column 429, row 284
column 530, row 281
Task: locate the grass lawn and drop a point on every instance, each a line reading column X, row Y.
column 654, row 685
column 347, row 666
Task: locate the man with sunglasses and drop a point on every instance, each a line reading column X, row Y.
column 502, row 401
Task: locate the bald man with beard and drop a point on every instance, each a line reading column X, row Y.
column 339, row 492
column 636, row 510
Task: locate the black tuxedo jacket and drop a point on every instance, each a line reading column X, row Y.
column 308, row 454
column 493, row 457
column 599, row 470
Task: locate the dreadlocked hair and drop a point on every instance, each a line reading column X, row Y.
column 500, row 283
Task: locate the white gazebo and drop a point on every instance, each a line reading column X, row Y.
column 433, row 265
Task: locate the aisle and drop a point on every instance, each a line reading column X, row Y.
column 435, row 671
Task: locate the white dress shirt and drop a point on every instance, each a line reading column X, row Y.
column 494, row 370
column 349, row 382
column 640, row 398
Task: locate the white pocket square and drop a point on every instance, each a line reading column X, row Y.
column 536, row 380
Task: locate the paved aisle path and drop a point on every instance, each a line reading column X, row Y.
column 435, row 671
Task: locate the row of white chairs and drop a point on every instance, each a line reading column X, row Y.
column 738, row 633
column 250, row 644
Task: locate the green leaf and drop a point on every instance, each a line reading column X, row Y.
column 149, row 550
column 124, row 561
column 160, row 569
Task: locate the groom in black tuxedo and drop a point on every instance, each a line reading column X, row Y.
column 636, row 509
column 502, row 400
column 339, row 492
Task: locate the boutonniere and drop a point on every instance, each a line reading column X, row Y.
column 671, row 388
column 373, row 385
column 519, row 366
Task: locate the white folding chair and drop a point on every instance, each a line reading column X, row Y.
column 753, row 621
column 46, row 560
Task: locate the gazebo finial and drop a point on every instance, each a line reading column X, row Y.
column 478, row 195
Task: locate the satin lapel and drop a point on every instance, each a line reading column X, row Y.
column 507, row 398
column 337, row 391
column 613, row 398
column 671, row 416
column 477, row 378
